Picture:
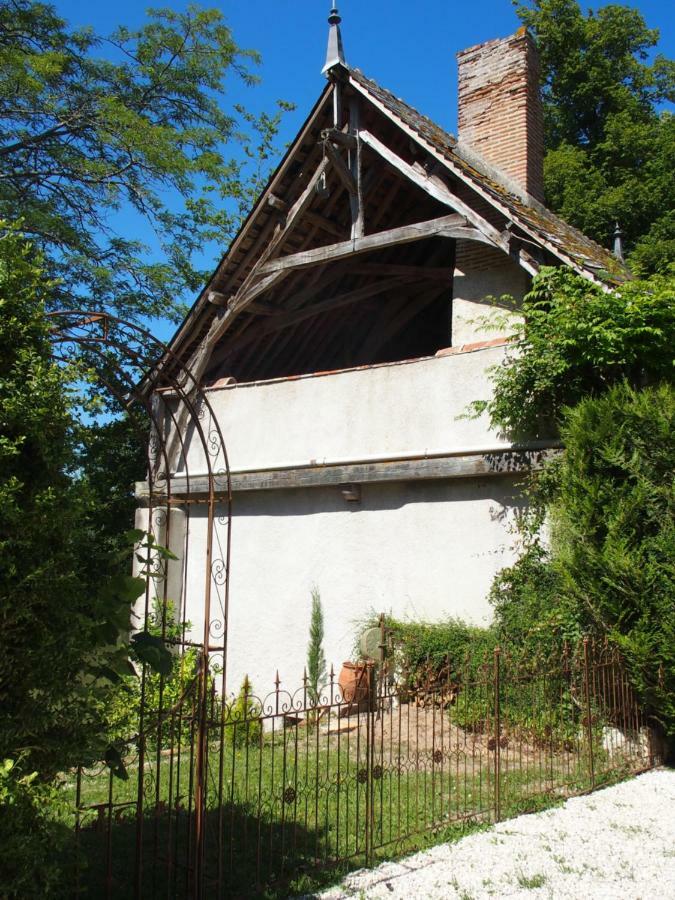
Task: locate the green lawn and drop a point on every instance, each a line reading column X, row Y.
column 298, row 807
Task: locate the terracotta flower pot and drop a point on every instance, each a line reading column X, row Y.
column 354, row 681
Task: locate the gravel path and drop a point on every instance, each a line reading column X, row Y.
column 615, row 844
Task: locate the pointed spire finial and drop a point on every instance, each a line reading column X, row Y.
column 335, row 54
column 618, row 242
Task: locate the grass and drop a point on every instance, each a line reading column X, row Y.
column 531, row 882
column 290, row 811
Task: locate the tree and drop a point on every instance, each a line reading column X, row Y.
column 597, row 368
column 610, row 150
column 613, row 531
column 93, row 128
column 64, row 605
column 577, row 339
column 316, row 660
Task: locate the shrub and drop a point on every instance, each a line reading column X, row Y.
column 578, row 340
column 36, row 846
column 533, row 618
column 243, row 718
column 423, row 650
column 613, row 526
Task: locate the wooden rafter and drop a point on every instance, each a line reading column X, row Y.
column 340, row 168
column 436, row 189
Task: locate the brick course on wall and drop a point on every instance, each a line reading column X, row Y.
column 500, row 111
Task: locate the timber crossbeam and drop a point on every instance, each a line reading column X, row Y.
column 500, row 462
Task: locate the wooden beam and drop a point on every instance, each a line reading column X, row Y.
column 277, row 203
column 217, row 299
column 445, row 226
column 501, row 462
column 431, row 185
column 339, row 137
column 256, row 282
column 530, row 265
column 185, row 331
column 340, row 168
column 355, row 167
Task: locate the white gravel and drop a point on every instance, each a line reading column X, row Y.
column 615, row 844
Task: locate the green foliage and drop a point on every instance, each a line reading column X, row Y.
column 613, row 525
column 532, row 617
column 65, row 595
column 243, row 725
column 424, row 649
column 610, row 151
column 92, row 126
column 35, row 845
column 316, row 660
column 576, row 340
column 57, row 635
column 169, row 679
column 608, row 569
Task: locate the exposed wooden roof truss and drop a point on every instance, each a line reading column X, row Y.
column 348, row 254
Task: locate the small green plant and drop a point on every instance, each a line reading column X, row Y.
column 316, row 660
column 530, row 882
column 243, row 725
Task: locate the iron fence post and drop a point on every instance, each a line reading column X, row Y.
column 589, row 723
column 370, row 750
column 497, row 680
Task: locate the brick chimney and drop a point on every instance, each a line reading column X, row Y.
column 500, row 112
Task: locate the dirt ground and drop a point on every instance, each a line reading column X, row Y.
column 426, row 737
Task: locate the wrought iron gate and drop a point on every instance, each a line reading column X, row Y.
column 153, row 829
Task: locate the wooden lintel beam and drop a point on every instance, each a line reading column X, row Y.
column 501, row 462
column 340, row 168
column 445, row 226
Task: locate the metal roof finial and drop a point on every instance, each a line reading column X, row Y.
column 335, row 54
column 618, row 242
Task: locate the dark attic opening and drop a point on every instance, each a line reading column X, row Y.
column 385, row 306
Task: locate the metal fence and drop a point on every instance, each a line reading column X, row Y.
column 299, row 786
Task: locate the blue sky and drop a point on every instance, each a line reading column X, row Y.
column 408, row 47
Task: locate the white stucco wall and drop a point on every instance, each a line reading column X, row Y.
column 419, row 550
column 387, row 410
column 482, row 277
column 416, row 549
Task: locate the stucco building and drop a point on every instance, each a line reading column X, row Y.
column 340, row 341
